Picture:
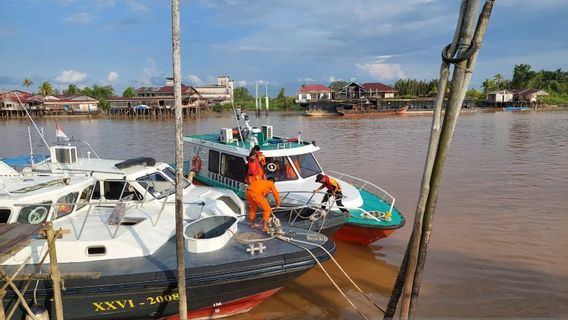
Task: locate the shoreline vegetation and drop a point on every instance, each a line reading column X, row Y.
column 553, row 82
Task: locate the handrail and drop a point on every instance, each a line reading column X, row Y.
column 365, row 183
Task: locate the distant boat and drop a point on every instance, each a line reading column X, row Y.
column 516, row 108
column 371, row 110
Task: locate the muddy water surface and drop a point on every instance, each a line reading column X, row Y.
column 499, row 246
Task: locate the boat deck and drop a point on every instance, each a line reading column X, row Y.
column 372, row 202
column 276, row 143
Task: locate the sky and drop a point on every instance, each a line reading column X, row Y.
column 285, row 43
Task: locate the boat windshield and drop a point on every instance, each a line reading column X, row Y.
column 157, row 185
column 171, row 173
column 280, row 169
column 306, row 164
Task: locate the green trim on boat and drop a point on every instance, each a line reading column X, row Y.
column 372, row 202
column 212, row 183
column 272, row 144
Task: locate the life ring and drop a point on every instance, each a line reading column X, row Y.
column 271, row 167
column 37, row 215
column 196, row 163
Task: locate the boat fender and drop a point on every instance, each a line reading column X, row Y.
column 196, row 163
column 39, row 313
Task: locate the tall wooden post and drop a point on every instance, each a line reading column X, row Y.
column 180, row 242
column 55, row 276
column 465, row 45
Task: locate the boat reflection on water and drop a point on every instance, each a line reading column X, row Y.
column 313, row 295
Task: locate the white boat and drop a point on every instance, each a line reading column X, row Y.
column 219, row 159
column 121, row 224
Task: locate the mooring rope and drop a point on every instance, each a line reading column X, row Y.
column 343, row 271
column 288, row 240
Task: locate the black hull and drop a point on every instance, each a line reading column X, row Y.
column 152, row 296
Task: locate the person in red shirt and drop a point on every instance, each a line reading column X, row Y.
column 256, row 197
column 255, row 165
column 333, row 189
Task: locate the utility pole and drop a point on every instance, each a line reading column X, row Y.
column 257, row 104
column 267, row 99
column 180, row 242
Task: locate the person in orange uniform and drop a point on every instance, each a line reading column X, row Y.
column 256, row 197
column 333, row 189
column 255, row 165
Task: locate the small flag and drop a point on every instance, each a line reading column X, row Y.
column 59, row 133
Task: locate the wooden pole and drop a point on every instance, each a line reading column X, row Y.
column 180, row 242
column 415, row 256
column 55, row 276
column 460, row 82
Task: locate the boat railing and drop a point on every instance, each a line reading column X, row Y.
column 232, row 183
column 297, row 210
column 361, row 184
column 330, row 204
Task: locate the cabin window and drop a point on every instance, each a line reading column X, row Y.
column 280, row 169
column 85, row 197
column 157, row 185
column 213, row 165
column 34, row 214
column 306, row 164
column 233, row 167
column 65, row 204
column 170, row 173
column 5, row 215
column 97, row 191
column 115, row 190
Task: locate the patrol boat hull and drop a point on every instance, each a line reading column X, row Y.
column 220, row 283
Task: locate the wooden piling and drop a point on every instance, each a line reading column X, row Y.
column 55, row 276
column 411, row 269
column 180, row 241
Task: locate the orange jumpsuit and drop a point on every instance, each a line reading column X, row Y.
column 256, row 197
column 254, row 167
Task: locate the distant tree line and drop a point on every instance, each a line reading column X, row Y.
column 555, row 83
column 99, row 92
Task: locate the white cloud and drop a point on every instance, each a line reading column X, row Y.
column 333, row 79
column 242, row 83
column 112, row 76
column 148, row 72
column 382, row 71
column 195, row 80
column 136, row 7
column 80, row 18
column 71, row 76
column 305, row 79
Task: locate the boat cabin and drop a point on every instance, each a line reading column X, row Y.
column 220, row 160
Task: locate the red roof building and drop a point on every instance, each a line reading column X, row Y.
column 379, row 90
column 312, row 92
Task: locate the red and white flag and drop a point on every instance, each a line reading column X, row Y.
column 59, row 132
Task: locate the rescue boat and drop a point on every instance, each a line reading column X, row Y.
column 118, row 254
column 219, row 160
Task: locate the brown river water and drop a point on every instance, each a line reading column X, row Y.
column 499, row 245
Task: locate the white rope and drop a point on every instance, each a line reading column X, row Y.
column 289, row 240
column 343, row 271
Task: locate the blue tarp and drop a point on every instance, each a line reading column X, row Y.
column 24, row 161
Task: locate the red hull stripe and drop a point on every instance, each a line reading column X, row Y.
column 228, row 309
column 360, row 235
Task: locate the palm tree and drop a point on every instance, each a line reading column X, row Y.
column 45, row 89
column 27, row 83
column 499, row 80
